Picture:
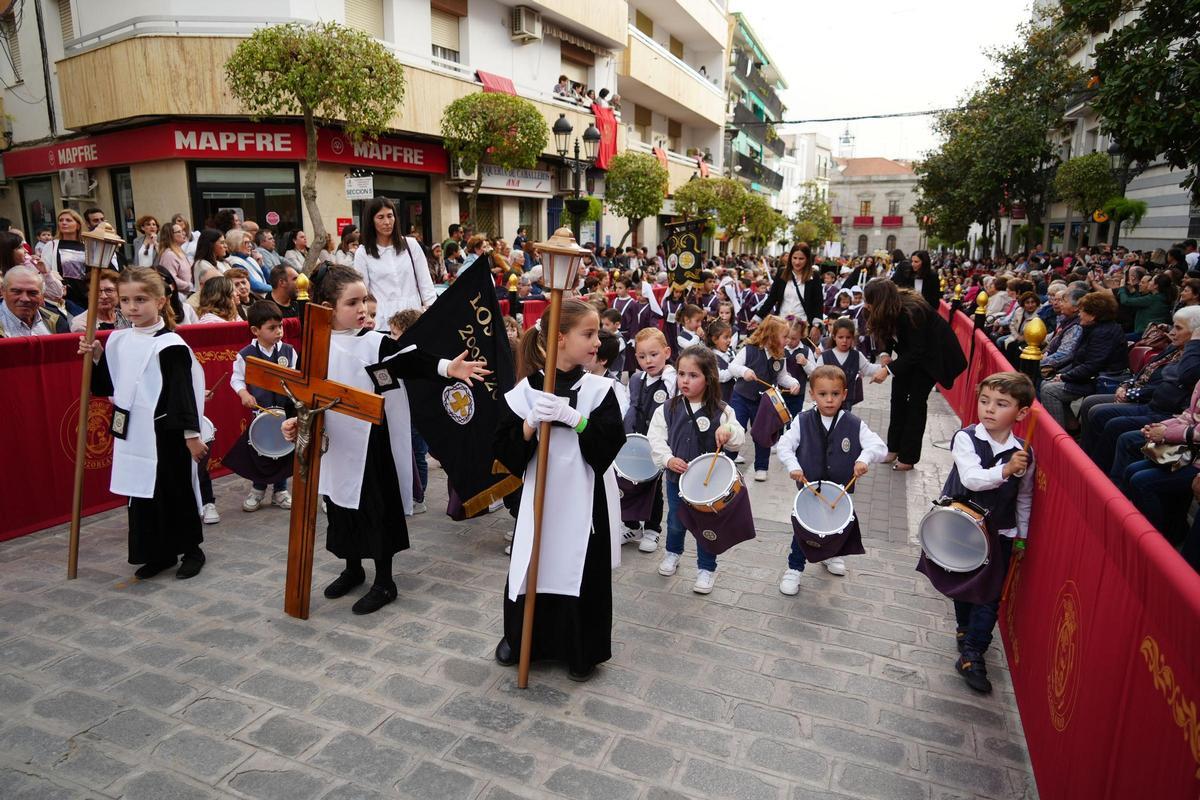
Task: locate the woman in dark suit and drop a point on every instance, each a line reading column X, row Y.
column 861, row 274
column 917, row 274
column 797, row 290
column 927, row 353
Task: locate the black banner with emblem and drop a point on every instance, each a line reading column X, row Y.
column 458, row 421
column 685, row 259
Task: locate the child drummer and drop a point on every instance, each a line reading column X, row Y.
column 649, row 388
column 826, row 443
column 993, row 470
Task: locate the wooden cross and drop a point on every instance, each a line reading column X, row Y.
column 312, row 387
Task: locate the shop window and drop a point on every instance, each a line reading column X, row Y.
column 446, row 42
column 366, row 15
column 269, row 196
column 487, row 214
column 8, row 25
column 527, row 216
column 37, row 204
column 862, row 245
column 126, row 216
column 410, row 193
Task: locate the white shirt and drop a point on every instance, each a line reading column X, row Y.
column 738, row 370
column 723, row 374
column 397, row 282
column 793, row 298
column 918, row 284
column 686, row 338
column 237, row 379
column 865, row 368
column 660, row 449
column 874, row 449
column 977, row 479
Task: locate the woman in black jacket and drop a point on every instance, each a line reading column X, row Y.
column 917, row 274
column 927, row 353
column 796, row 291
column 1101, row 348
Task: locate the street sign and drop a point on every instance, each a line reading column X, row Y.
column 360, row 188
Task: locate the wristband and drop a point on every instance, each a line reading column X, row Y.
column 582, row 424
column 1019, row 544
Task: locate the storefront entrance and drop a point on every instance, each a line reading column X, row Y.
column 268, row 195
column 37, row 205
column 411, row 194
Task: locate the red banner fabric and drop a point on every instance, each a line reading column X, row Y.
column 1102, row 626
column 41, row 379
column 606, row 123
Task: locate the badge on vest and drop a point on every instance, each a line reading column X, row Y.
column 382, row 379
column 703, row 424
column 660, row 396
column 282, row 361
column 707, row 534
column 777, row 365
column 846, row 445
column 120, row 423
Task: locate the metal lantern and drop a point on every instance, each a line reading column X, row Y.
column 591, row 142
column 100, row 245
column 562, row 134
column 561, row 256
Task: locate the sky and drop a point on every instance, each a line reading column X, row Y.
column 856, row 57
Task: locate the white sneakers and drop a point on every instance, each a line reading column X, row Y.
column 835, row 566
column 649, row 541
column 704, row 582
column 790, row 585
column 209, row 514
column 669, row 564
column 741, row 459
column 760, row 475
column 631, row 535
column 496, row 506
column 254, row 500
column 419, row 508
column 282, row 499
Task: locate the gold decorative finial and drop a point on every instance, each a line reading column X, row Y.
column 1035, row 334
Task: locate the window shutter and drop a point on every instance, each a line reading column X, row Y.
column 366, row 15
column 14, row 46
column 66, row 20
column 641, row 116
column 576, row 72
column 643, row 23
column 676, row 48
column 445, row 30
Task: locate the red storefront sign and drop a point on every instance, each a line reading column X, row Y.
column 224, row 141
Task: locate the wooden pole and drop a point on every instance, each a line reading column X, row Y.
column 85, row 400
column 539, row 492
column 302, row 533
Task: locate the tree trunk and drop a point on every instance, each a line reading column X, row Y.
column 473, row 202
column 633, row 223
column 308, row 190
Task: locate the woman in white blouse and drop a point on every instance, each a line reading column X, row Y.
column 145, row 247
column 393, row 266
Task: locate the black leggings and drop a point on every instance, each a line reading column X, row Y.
column 910, row 408
column 383, row 570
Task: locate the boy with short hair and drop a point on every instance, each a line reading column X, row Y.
column 649, row 388
column 610, row 321
column 993, row 470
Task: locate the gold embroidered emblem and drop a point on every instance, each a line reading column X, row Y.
column 1183, row 710
column 1066, row 646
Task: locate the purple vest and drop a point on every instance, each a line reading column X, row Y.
column 264, row 397
column 683, row 438
column 1001, row 502
column 764, row 367
column 794, row 368
column 723, row 362
column 854, row 385
column 643, row 402
column 828, row 456
column 625, row 305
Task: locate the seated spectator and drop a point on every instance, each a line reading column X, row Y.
column 22, row 312
column 1015, row 340
column 284, row 291
column 211, row 253
column 241, row 291
column 218, row 301
column 475, row 248
column 1101, row 349
column 1060, row 346
column 295, row 248
column 1151, row 303
column 264, row 242
column 240, row 246
column 998, row 297
column 1160, row 388
column 1189, row 293
column 108, row 316
column 348, row 246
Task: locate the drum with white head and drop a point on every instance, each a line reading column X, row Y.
column 954, row 537
column 826, row 515
column 710, row 493
column 634, row 462
column 266, row 434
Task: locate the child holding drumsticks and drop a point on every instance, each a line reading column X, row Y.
column 759, row 365
column 695, row 421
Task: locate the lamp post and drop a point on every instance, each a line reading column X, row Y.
column 577, row 206
column 1120, row 170
column 561, row 255
column 99, row 247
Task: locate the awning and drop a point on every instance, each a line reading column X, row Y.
column 496, row 83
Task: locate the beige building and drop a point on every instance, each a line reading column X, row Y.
column 138, row 119
column 871, row 200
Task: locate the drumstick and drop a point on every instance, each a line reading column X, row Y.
column 816, row 493
column 845, row 489
column 273, row 412
column 217, row 382
column 711, row 464
column 1029, row 428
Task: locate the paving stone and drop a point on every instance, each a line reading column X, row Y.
column 411, row 733
column 489, row 714
column 14, row 691
column 103, row 638
column 877, row 689
column 277, row 784
column 620, row 716
column 970, row 713
column 163, row 786
column 802, row 672
column 642, row 758
column 705, row 740
column 921, row 727
column 214, row 670
column 88, row 671
column 218, row 714
column 225, row 640
column 158, row 655
column 971, row 775
column 33, row 745
column 349, row 711
column 18, row 611
column 200, row 754
column 280, row 689
column 76, row 709
column 291, row 655
column 431, row 780
column 494, row 759
column 285, row 734
column 883, row 785
column 468, row 673
column 361, row 759
column 860, row 745
column 352, row 791
column 588, row 784
column 1005, row 749
column 410, row 692
column 348, row 643
column 718, row 780
column 566, row 737
column 350, row 674
column 825, row 704
column 795, row 762
column 738, row 682
column 765, row 720
column 132, row 729
column 685, row 700
column 91, row 767
column 121, row 609
column 403, row 655
column 152, row 689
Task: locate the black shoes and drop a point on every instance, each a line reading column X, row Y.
column 147, row 571
column 960, row 639
column 585, row 675
column 974, row 672
column 343, row 583
column 376, row 598
column 505, row 655
column 191, row 565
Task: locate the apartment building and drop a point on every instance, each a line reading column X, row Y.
column 134, row 116
column 871, row 201
column 756, row 145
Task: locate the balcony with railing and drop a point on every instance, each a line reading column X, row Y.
column 864, row 221
column 745, row 71
column 892, row 221
column 759, row 131
column 757, row 172
column 650, row 75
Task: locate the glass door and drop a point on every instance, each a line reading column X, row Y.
column 411, row 195
column 269, row 196
column 126, row 217
column 37, row 205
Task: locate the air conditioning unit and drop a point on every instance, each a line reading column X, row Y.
column 458, row 174
column 75, row 182
column 526, row 24
column 565, row 180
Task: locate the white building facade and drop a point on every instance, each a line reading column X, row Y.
column 872, row 204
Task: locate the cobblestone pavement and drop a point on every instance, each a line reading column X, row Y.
column 115, row 688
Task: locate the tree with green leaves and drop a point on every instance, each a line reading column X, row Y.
column 325, row 73
column 763, row 223
column 1086, row 183
column 492, row 128
column 1147, row 86
column 813, row 222
column 634, row 188
column 722, row 199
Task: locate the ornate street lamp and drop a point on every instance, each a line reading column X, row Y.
column 579, row 165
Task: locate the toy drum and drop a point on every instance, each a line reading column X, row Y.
column 779, row 405
column 953, row 536
column 814, row 514
column 723, row 485
column 633, row 462
column 266, row 435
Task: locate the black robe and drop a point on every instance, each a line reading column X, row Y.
column 577, row 630
column 168, row 524
column 377, row 528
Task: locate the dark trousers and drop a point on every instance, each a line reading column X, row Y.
column 1162, row 495
column 1128, row 448
column 745, row 411
column 1108, row 421
column 910, row 408
column 656, row 510
column 206, row 490
column 420, row 451
column 978, row 620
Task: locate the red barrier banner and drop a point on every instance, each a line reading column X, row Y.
column 40, row 376
column 1102, row 626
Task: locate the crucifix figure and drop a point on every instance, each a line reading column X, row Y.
column 313, row 393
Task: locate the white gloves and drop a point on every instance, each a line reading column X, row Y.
column 551, row 408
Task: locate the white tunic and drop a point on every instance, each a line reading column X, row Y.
column 397, row 281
